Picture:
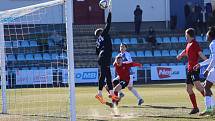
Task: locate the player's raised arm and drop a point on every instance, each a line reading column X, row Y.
column 108, row 24
column 134, row 64
column 115, row 61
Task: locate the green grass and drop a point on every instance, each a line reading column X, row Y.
column 162, row 103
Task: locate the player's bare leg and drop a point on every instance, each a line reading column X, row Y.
column 199, row 87
column 117, row 88
column 113, row 100
column 135, row 93
column 120, row 95
column 101, row 83
column 192, row 99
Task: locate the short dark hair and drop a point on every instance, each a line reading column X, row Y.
column 191, row 32
column 211, row 32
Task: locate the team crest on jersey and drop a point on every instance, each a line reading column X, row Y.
column 99, row 40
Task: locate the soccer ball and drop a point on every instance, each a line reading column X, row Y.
column 103, row 4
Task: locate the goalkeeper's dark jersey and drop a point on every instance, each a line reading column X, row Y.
column 104, row 44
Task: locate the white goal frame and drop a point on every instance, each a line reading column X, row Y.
column 69, row 34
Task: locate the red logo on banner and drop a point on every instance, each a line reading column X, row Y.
column 164, row 72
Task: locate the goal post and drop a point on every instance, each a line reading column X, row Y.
column 36, row 47
column 3, row 71
column 70, row 53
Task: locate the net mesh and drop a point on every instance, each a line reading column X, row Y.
column 36, row 62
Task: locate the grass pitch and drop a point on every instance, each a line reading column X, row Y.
column 162, row 103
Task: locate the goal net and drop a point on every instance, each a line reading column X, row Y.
column 34, row 62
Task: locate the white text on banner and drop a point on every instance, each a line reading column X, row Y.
column 168, row 72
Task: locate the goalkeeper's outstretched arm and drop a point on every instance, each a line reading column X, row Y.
column 108, row 24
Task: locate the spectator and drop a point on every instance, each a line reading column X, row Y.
column 187, row 12
column 43, row 43
column 211, row 19
column 137, row 19
column 208, row 9
column 192, row 18
column 198, row 17
column 204, row 22
column 173, row 22
column 151, row 36
column 56, row 38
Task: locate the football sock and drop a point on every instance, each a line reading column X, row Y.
column 100, row 92
column 208, row 102
column 193, row 100
column 134, row 91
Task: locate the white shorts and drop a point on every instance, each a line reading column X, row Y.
column 211, row 76
column 130, row 84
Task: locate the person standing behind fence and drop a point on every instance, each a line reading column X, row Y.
column 204, row 22
column 187, row 12
column 138, row 19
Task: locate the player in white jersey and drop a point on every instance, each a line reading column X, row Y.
column 127, row 58
column 209, row 73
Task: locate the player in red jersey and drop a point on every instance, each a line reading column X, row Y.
column 123, row 73
column 193, row 52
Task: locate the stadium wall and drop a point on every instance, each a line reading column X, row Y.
column 158, row 10
column 177, row 9
column 153, row 10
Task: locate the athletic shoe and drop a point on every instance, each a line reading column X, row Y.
column 114, row 98
column 194, row 111
column 206, row 112
column 100, row 98
column 117, row 103
column 121, row 95
column 109, row 104
column 140, row 102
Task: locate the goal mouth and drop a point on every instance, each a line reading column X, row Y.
column 34, row 61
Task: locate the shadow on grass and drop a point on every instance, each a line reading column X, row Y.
column 92, row 119
column 36, row 115
column 157, row 107
column 179, row 117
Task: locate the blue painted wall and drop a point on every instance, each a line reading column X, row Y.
column 177, row 8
